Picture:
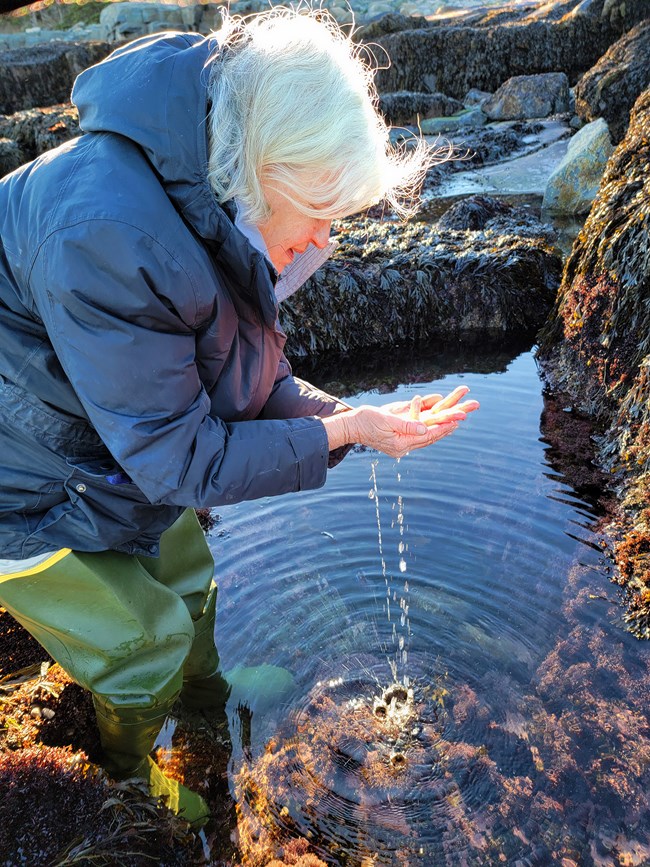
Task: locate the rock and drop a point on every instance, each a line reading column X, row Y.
column 475, row 97
column 391, row 23
column 596, row 347
column 341, row 14
column 529, row 96
column 588, row 347
column 479, row 213
column 464, row 119
column 11, row 156
column 37, row 130
column 391, row 283
column 44, row 74
column 122, row 21
column 405, row 107
column 485, row 54
column 573, row 185
column 610, row 88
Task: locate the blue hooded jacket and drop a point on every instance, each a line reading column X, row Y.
column 141, row 366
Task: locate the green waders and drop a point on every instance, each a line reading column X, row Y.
column 136, row 632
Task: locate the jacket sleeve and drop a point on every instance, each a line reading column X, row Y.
column 293, row 398
column 130, row 355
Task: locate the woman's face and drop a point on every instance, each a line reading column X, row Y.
column 287, row 231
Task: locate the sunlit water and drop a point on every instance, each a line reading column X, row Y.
column 447, row 572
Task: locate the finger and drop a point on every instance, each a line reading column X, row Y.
column 408, row 427
column 415, row 407
column 468, row 405
column 452, row 398
column 443, row 417
column 430, row 400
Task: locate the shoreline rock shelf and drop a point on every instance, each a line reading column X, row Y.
column 391, row 283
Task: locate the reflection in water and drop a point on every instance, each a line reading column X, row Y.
column 524, row 738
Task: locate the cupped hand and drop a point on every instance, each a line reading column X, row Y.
column 395, row 434
column 434, row 409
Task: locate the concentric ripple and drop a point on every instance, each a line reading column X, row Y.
column 389, row 774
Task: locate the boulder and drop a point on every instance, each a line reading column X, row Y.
column 123, row 21
column 453, row 58
column 405, row 107
column 596, row 347
column 611, row 87
column 475, row 97
column 467, row 118
column 44, row 74
column 529, row 96
column 392, row 283
column 573, row 185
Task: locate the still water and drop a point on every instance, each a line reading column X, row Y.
column 470, row 574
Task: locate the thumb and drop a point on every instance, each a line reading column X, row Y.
column 411, row 427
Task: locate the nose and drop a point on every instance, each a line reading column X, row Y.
column 321, row 234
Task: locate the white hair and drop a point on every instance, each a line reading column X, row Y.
column 294, row 105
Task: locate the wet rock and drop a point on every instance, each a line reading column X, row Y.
column 406, row 107
column 596, row 347
column 466, row 119
column 43, row 75
column 392, row 283
column 573, row 185
column 529, row 96
column 481, row 146
column 611, row 87
column 37, row 130
column 484, row 55
column 11, row 156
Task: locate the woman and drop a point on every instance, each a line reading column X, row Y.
column 141, row 364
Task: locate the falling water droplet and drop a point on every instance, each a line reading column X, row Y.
column 371, row 494
column 400, row 547
column 402, row 565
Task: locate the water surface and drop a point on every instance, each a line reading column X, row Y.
column 471, row 573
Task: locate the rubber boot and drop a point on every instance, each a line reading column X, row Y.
column 127, row 736
column 204, row 686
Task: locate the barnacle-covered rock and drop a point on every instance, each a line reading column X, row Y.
column 596, row 347
column 391, row 283
column 483, row 51
column 611, row 87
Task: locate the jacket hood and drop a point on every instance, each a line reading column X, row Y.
column 154, row 92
